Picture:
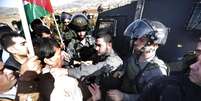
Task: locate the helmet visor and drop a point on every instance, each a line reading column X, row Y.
column 138, row 29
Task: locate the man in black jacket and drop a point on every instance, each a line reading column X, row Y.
column 16, row 46
column 183, row 87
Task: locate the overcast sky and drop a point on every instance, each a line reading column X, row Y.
column 13, row 3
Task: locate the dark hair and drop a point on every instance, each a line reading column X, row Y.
column 105, row 34
column 41, row 29
column 4, row 28
column 18, row 23
column 35, row 23
column 84, row 12
column 58, row 19
column 44, row 48
column 6, row 39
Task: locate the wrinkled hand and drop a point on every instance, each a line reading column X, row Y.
column 62, row 45
column 95, row 92
column 32, row 64
column 115, row 95
column 65, row 56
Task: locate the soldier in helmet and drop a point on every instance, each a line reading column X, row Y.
column 65, row 20
column 67, row 33
column 81, row 46
column 143, row 67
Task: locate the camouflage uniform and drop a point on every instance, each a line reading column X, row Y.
column 78, row 23
column 75, row 47
column 68, row 36
column 138, row 76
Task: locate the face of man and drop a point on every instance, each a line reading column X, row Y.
column 145, row 48
column 195, row 69
column 66, row 21
column 56, row 60
column 195, row 72
column 7, row 79
column 198, row 49
column 20, row 46
column 81, row 34
column 102, row 47
column 142, row 45
column 139, row 44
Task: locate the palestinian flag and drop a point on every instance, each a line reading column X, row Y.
column 37, row 8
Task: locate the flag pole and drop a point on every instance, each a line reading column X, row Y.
column 25, row 27
column 61, row 39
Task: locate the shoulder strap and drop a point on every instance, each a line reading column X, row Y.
column 137, row 77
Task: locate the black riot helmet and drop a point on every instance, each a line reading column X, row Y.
column 153, row 30
column 79, row 22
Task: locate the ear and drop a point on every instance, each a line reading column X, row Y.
column 11, row 50
column 110, row 44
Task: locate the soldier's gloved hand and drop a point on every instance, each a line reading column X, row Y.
column 115, row 95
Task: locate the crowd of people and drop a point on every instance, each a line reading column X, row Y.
column 86, row 67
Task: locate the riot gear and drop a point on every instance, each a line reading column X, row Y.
column 79, row 22
column 153, row 30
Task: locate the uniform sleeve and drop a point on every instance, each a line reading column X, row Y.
column 85, row 70
column 70, row 49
